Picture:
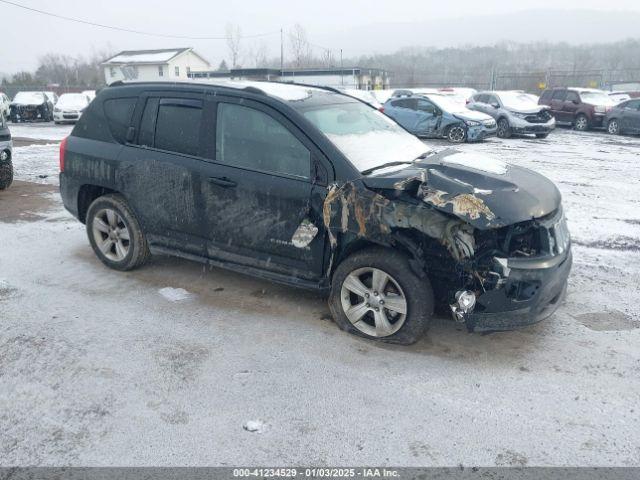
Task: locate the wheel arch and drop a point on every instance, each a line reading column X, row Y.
column 87, row 193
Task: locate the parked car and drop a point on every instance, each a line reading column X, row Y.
column 53, row 97
column 4, row 105
column 6, row 148
column 582, row 108
column 624, row 117
column 382, row 95
column 315, row 189
column 30, row 106
column 70, row 107
column 458, row 95
column 436, row 116
column 515, row 112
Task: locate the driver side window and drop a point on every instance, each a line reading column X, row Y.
column 427, row 107
column 572, row 97
column 249, row 138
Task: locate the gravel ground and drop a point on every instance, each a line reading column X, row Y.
column 165, row 365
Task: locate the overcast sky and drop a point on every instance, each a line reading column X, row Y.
column 28, row 34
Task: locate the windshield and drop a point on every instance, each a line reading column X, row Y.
column 517, row 100
column 35, row 98
column 365, row 136
column 596, row 98
column 73, row 100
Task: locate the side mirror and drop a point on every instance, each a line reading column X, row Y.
column 495, row 105
column 575, row 102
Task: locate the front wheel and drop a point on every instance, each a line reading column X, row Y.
column 115, row 234
column 376, row 294
column 504, row 130
column 613, row 127
column 457, row 134
column 6, row 173
column 582, row 123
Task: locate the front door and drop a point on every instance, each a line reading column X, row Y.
column 428, row 117
column 570, row 106
column 630, row 119
column 258, row 191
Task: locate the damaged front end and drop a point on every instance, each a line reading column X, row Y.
column 491, row 237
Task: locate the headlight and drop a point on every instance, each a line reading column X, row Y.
column 600, row 109
column 472, row 123
column 57, row 110
column 519, row 114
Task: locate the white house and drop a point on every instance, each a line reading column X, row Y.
column 153, row 65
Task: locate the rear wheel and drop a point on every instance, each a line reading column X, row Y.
column 115, row 234
column 504, row 130
column 582, row 123
column 6, row 172
column 375, row 294
column 613, row 127
column 457, row 134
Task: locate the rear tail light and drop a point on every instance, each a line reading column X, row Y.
column 467, row 101
column 381, row 109
column 63, row 148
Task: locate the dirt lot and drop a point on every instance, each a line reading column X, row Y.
column 100, row 368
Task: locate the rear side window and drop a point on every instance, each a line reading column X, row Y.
column 572, row 96
column 118, row 112
column 404, row 103
column 178, row 126
column 559, row 95
column 249, row 138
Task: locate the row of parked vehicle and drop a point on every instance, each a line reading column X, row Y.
column 465, row 115
column 32, row 106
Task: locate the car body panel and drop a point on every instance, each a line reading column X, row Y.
column 437, row 210
column 628, row 115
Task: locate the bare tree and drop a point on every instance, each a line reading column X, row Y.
column 234, row 35
column 300, row 47
column 259, row 54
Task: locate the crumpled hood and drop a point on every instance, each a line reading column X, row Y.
column 481, row 190
column 533, row 110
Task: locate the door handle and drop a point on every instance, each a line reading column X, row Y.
column 222, row 181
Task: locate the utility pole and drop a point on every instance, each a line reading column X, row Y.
column 281, row 51
column 341, row 70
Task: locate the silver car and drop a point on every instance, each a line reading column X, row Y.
column 516, row 113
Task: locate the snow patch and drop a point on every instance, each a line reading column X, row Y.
column 478, row 162
column 174, row 294
column 254, row 426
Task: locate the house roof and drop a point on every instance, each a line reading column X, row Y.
column 145, row 56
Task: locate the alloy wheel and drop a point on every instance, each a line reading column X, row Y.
column 503, row 128
column 581, row 123
column 456, row 134
column 373, row 302
column 111, row 234
column 613, row 127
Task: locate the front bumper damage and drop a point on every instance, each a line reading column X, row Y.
column 477, row 133
column 531, row 124
column 531, row 291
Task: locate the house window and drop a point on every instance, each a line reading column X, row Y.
column 160, row 71
column 112, row 71
column 188, row 71
column 177, row 71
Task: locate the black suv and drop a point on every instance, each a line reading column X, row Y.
column 316, row 189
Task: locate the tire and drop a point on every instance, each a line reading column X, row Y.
column 457, row 134
column 542, row 135
column 613, row 127
column 109, row 222
column 6, row 174
column 581, row 123
column 504, row 130
column 411, row 294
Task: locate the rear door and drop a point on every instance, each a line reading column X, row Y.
column 259, row 187
column 161, row 169
column 403, row 111
column 557, row 104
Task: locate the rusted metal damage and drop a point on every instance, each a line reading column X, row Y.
column 371, row 215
